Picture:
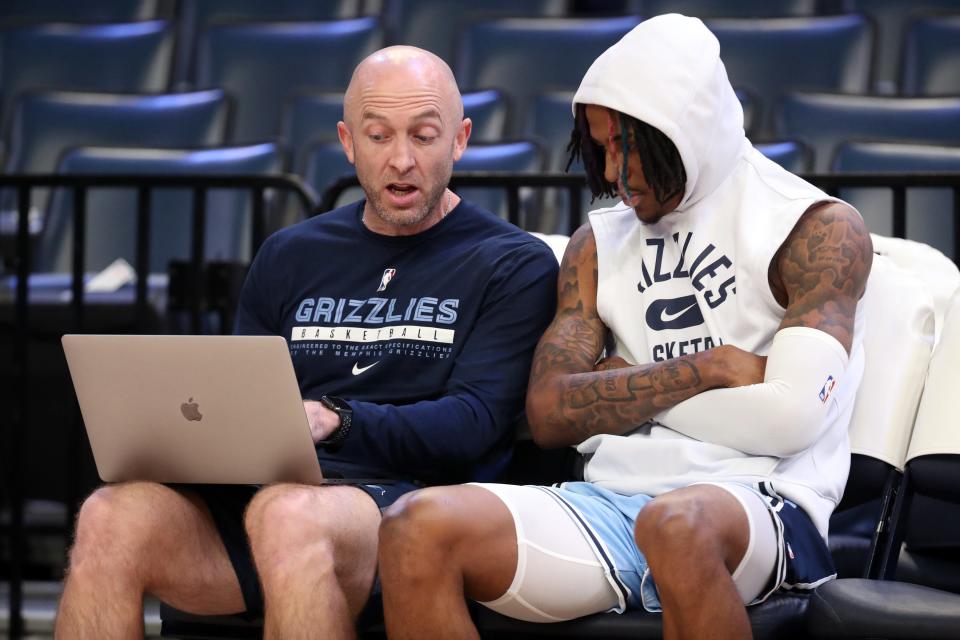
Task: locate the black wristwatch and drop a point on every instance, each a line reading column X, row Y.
column 340, row 407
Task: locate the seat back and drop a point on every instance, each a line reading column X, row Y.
column 438, row 26
column 194, row 16
column 890, row 16
column 792, row 155
column 931, row 512
column 117, row 58
column 521, row 156
column 264, row 65
column 931, row 56
column 929, row 209
column 773, row 56
column 732, row 8
column 112, row 212
column 39, row 11
column 823, row 121
column 524, row 57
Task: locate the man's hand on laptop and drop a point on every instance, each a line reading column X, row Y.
column 323, row 422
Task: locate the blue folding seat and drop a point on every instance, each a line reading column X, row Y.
column 789, row 154
column 931, row 56
column 438, row 26
column 117, row 58
column 38, row 11
column 527, row 56
column 194, row 16
column 112, row 212
column 263, row 65
column 890, row 18
column 771, row 57
column 929, row 210
column 731, row 8
column 520, row 156
column 823, row 121
column 46, row 124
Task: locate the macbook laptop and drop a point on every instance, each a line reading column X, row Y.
column 192, row 409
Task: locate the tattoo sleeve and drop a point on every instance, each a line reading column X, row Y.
column 823, row 267
column 570, row 396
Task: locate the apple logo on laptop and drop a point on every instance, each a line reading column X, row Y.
column 191, row 410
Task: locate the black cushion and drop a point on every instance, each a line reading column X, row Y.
column 857, row 608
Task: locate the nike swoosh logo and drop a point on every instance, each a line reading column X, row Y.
column 674, row 313
column 666, row 316
column 357, row 370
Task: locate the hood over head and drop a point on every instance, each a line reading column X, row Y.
column 667, row 73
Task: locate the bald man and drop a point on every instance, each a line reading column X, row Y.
column 411, row 318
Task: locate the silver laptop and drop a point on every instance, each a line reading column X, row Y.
column 192, row 409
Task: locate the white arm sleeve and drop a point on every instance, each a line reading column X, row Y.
column 781, row 416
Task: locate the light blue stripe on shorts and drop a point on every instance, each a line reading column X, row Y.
column 611, row 517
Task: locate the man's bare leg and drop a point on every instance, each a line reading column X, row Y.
column 137, row 538
column 450, row 543
column 315, row 549
column 694, row 539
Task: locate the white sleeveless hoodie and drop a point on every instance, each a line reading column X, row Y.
column 698, row 277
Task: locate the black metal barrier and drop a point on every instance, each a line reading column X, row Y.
column 17, row 407
column 575, row 186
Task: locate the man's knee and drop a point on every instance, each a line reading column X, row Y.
column 674, row 525
column 284, row 528
column 696, row 524
column 114, row 524
column 423, row 519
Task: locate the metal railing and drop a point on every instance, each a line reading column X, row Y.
column 575, row 186
column 22, row 186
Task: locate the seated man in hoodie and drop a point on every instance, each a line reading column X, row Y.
column 726, row 292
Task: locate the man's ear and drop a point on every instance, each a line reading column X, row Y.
column 460, row 140
column 346, row 140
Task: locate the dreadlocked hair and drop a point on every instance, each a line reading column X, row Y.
column 659, row 158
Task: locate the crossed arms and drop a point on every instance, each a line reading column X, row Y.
column 818, row 275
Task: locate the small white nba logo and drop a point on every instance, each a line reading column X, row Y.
column 387, row 277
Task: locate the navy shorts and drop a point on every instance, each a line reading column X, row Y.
column 227, row 504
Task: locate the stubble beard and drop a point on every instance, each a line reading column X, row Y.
column 409, row 218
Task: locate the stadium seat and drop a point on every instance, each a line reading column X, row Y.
column 438, row 26
column 790, row 154
column 19, row 12
column 263, row 65
column 732, row 8
column 47, row 124
column 116, row 58
column 929, row 210
column 931, row 56
column 770, row 57
column 112, row 213
column 886, row 609
column 521, row 156
column 194, row 16
column 487, row 109
column 890, row 17
column 524, row 57
column 823, row 121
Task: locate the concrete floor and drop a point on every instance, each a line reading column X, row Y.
column 40, row 606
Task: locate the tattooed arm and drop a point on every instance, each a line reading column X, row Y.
column 571, row 397
column 818, row 274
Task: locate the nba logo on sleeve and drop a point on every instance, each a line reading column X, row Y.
column 827, row 388
column 385, row 280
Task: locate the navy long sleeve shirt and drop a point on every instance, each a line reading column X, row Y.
column 429, row 337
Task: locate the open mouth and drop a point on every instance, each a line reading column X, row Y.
column 401, row 189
